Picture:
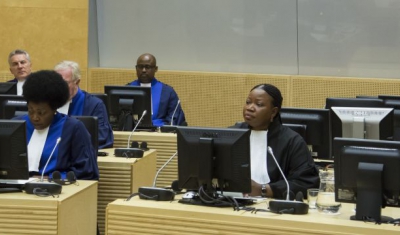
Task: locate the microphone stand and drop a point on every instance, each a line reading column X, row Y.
column 171, row 128
column 44, row 187
column 286, row 206
column 131, row 152
column 154, row 193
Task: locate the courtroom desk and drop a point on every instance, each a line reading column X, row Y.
column 153, row 217
column 121, row 176
column 164, row 143
column 73, row 212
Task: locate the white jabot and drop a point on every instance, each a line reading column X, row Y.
column 258, row 152
column 19, row 87
column 65, row 108
column 35, row 148
column 148, row 85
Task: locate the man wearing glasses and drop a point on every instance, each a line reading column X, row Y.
column 165, row 107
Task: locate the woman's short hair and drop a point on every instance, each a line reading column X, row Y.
column 46, row 86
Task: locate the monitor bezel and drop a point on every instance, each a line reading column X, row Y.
column 128, row 92
column 16, row 149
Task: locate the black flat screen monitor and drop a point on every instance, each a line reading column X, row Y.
column 12, row 106
column 353, row 102
column 8, row 88
column 317, row 128
column 214, row 158
column 126, row 105
column 367, row 172
column 13, row 150
column 392, row 101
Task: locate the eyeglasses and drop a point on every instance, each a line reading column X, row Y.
column 147, row 67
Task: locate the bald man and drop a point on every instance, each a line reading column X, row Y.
column 164, row 98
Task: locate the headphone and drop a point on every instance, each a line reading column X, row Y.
column 57, row 178
column 143, row 145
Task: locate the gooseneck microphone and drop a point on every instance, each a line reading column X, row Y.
column 131, row 152
column 286, row 206
column 48, row 160
column 283, row 175
column 162, row 167
column 137, row 124
column 171, row 128
column 154, row 193
column 173, row 114
column 44, row 187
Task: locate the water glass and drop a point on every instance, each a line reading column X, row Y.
column 312, row 194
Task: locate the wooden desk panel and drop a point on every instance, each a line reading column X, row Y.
column 164, row 143
column 120, row 177
column 73, row 212
column 153, row 217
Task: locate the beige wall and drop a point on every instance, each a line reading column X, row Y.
column 50, row 30
column 216, row 99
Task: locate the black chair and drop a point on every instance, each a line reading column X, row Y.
column 103, row 97
column 91, row 124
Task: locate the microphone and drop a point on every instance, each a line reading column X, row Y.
column 137, row 124
column 158, row 194
column 44, row 187
column 286, row 206
column 173, row 114
column 171, row 128
column 48, row 160
column 131, row 152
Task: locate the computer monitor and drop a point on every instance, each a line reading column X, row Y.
column 8, row 88
column 363, row 123
column 12, row 106
column 13, row 150
column 367, row 172
column 353, row 102
column 214, row 159
column 317, row 128
column 126, row 105
column 392, row 101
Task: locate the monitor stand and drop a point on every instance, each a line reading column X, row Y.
column 370, row 193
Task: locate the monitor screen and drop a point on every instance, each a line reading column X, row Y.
column 13, row 150
column 12, row 106
column 214, row 158
column 367, row 172
column 362, row 123
column 126, row 105
column 317, row 129
column 8, row 88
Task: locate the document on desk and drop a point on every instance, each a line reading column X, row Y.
column 238, row 195
column 4, row 181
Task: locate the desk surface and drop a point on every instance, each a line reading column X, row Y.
column 152, row 216
column 73, row 212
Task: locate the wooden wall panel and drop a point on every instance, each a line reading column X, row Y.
column 311, row 92
column 208, row 99
column 49, row 30
column 216, row 99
